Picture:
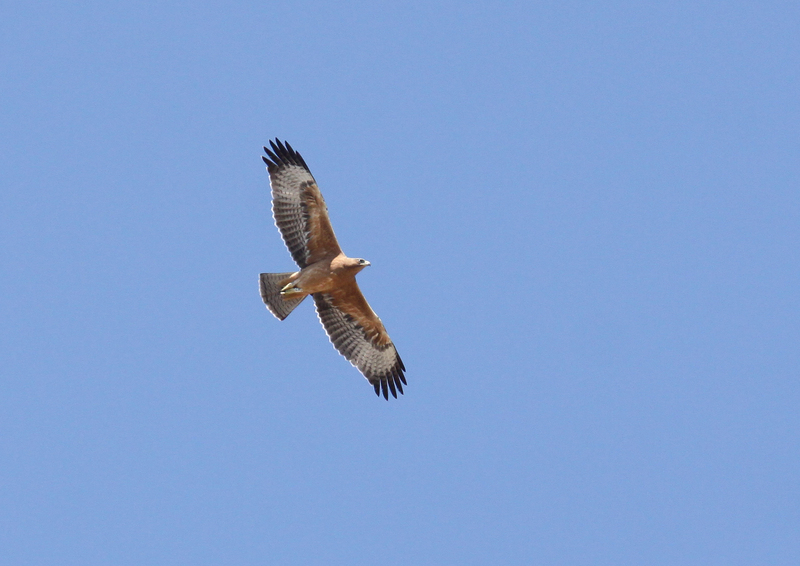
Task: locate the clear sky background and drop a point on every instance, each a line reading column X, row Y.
column 583, row 220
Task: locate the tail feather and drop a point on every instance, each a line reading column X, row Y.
column 271, row 284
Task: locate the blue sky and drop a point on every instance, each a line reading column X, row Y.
column 583, row 222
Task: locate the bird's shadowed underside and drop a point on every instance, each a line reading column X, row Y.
column 326, row 274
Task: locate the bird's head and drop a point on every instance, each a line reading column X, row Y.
column 357, row 264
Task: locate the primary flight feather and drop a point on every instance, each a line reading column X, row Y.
column 326, row 274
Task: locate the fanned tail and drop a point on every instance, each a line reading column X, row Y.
column 271, row 285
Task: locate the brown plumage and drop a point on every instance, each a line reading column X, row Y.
column 326, row 274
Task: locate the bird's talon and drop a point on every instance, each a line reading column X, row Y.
column 290, row 289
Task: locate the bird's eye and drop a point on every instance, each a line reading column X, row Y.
column 362, row 261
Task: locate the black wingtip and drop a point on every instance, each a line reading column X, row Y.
column 389, row 383
column 273, row 161
column 283, row 155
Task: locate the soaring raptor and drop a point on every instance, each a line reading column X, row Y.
column 326, row 274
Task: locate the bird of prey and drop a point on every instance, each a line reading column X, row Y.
column 326, row 274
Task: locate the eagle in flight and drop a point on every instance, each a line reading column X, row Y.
column 326, row 274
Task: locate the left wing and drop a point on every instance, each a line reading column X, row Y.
column 358, row 334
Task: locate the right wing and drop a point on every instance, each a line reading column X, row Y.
column 298, row 207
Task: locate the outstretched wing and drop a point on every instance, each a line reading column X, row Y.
column 358, row 334
column 298, row 207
